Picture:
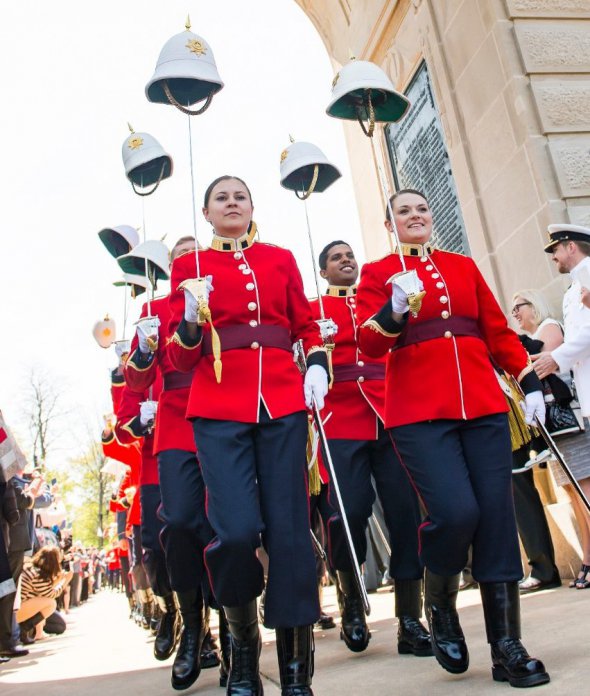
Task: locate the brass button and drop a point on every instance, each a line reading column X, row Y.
column 246, row 271
column 255, row 345
column 360, row 363
column 444, row 314
column 252, row 306
column 443, row 299
column 429, row 267
column 253, row 322
column 435, row 275
column 424, row 259
column 361, row 379
column 250, row 286
column 237, row 256
column 448, row 334
column 440, row 285
column 242, row 266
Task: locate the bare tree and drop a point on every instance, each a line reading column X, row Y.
column 43, row 410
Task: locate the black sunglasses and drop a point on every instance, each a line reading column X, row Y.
column 516, row 307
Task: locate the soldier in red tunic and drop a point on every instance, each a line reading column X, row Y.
column 185, row 531
column 250, row 428
column 361, row 450
column 447, row 418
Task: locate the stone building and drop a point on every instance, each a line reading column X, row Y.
column 509, row 82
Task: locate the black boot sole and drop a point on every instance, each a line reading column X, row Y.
column 185, row 684
column 500, row 674
column 355, row 647
column 404, row 648
column 453, row 669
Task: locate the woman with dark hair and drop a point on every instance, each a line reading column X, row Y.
column 247, row 404
column 447, row 418
column 41, row 583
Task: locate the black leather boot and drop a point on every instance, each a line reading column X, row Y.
column 187, row 663
column 27, row 628
column 353, row 628
column 169, row 628
column 244, row 677
column 412, row 637
column 510, row 660
column 448, row 641
column 225, row 644
column 147, row 608
column 295, row 652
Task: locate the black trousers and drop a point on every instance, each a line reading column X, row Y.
column 532, row 523
column 256, row 478
column 462, row 472
column 140, row 578
column 356, row 461
column 153, row 559
column 185, row 528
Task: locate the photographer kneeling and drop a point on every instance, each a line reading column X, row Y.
column 42, row 582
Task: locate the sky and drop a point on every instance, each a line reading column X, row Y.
column 73, row 76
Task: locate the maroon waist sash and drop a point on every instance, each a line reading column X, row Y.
column 437, row 328
column 351, row 372
column 243, row 336
column 178, row 380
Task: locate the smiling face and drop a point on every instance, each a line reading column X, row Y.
column 341, row 266
column 413, row 218
column 229, row 208
column 522, row 311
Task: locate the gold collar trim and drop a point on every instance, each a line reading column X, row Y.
column 415, row 249
column 341, row 290
column 229, row 244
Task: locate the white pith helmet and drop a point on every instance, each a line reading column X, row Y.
column 145, row 161
column 352, row 86
column 104, row 332
column 158, row 258
column 119, row 240
column 298, row 163
column 186, row 68
column 137, row 283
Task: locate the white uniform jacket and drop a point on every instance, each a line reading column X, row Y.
column 574, row 352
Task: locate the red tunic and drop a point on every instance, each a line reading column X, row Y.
column 449, row 376
column 172, row 430
column 353, row 407
column 255, row 285
column 129, row 430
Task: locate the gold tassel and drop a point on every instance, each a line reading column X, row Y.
column 205, row 315
column 329, row 348
column 315, row 482
column 520, row 433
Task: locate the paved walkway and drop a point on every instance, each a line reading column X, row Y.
column 104, row 653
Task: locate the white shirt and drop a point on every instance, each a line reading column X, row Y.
column 574, row 352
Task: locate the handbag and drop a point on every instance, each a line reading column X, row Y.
column 560, row 419
column 12, row 460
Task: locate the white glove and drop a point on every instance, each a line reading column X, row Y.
column 191, row 307
column 147, row 333
column 534, row 405
column 315, row 386
column 121, row 348
column 147, row 412
column 399, row 298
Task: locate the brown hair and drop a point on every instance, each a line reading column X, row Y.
column 48, row 561
column 397, row 194
column 225, row 177
column 182, row 240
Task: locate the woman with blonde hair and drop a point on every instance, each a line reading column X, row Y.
column 546, row 334
column 41, row 583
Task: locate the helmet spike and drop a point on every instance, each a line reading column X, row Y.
column 130, row 127
column 187, row 24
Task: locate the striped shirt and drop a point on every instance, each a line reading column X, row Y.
column 32, row 585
